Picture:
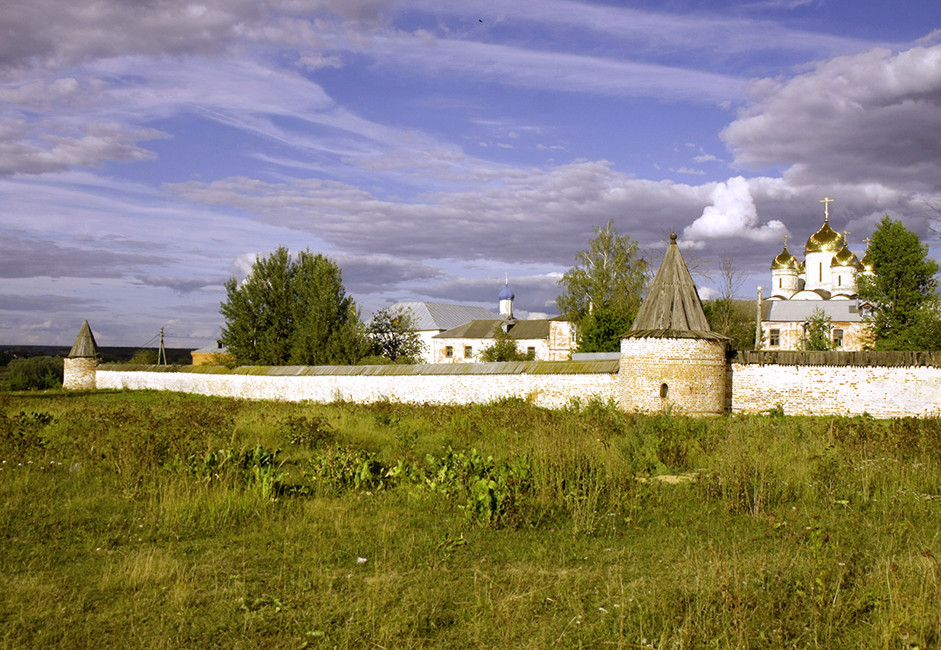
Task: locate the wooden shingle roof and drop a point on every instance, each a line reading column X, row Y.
column 672, row 308
column 85, row 346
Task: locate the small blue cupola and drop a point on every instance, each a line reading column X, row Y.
column 506, row 300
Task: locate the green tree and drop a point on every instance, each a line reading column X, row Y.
column 818, row 332
column 289, row 311
column 902, row 289
column 503, row 348
column 728, row 316
column 36, row 373
column 327, row 327
column 394, row 336
column 602, row 292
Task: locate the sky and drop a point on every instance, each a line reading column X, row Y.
column 150, row 150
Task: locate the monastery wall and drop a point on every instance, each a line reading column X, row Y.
column 883, row 385
column 550, row 390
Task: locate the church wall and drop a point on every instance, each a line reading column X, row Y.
column 837, row 390
column 856, row 335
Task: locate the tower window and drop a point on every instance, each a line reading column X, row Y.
column 821, row 271
column 664, row 389
column 779, row 283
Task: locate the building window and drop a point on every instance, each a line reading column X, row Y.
column 448, row 352
column 821, row 272
column 839, row 280
column 531, row 352
column 779, row 283
column 774, row 338
column 468, row 352
column 838, row 338
column 664, row 390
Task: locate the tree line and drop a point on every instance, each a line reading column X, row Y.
column 295, row 310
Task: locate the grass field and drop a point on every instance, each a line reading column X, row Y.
column 163, row 521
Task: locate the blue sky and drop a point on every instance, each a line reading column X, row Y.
column 149, row 151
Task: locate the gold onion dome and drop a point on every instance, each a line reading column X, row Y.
column 825, row 240
column 785, row 261
column 845, row 257
column 865, row 264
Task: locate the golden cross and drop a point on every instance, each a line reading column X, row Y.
column 786, row 237
column 826, row 207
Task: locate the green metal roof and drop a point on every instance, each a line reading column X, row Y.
column 485, row 329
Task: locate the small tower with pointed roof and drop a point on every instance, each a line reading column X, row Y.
column 671, row 359
column 81, row 364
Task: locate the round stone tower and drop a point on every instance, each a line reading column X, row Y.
column 671, row 359
column 82, row 362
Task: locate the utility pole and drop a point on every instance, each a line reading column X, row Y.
column 162, row 354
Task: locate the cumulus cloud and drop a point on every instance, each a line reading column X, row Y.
column 863, row 118
column 732, row 214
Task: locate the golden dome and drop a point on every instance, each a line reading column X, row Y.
column 825, row 240
column 844, row 257
column 865, row 264
column 785, row 261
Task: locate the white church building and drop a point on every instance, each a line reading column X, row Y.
column 824, row 281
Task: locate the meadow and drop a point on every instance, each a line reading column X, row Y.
column 162, row 520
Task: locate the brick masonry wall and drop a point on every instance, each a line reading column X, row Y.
column 693, row 370
column 837, row 390
column 550, row 391
column 79, row 373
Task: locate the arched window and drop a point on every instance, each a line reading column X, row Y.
column 664, row 389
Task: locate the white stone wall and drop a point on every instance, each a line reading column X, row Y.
column 548, row 390
column 692, row 373
column 79, row 373
column 837, row 390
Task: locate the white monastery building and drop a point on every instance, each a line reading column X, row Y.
column 824, row 281
column 541, row 339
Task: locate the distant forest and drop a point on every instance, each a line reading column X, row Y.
column 108, row 355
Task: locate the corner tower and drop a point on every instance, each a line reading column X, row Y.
column 671, row 358
column 80, row 366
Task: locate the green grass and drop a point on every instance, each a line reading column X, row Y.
column 145, row 519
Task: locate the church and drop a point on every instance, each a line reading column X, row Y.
column 824, row 281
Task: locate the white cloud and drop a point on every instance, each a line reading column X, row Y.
column 732, row 214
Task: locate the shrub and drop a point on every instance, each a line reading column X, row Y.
column 36, row 373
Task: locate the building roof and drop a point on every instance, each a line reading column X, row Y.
column 212, row 348
column 506, row 294
column 672, row 308
column 802, row 310
column 85, row 346
column 485, row 329
column 441, row 316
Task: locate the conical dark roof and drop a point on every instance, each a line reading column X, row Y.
column 85, row 346
column 672, row 308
